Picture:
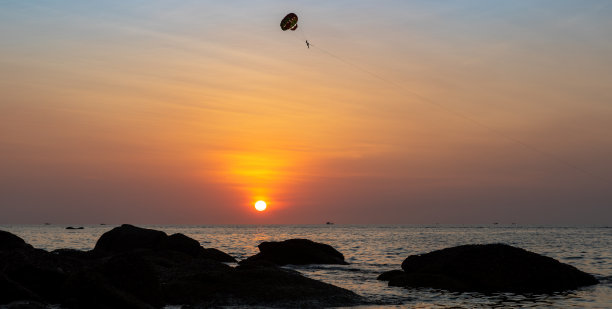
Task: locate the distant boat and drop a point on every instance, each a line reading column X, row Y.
column 74, row 228
column 329, row 222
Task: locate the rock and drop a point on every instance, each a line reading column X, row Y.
column 287, row 288
column 134, row 274
column 181, row 243
column 257, row 286
column 395, row 278
column 489, row 268
column 388, row 275
column 297, row 252
column 88, row 288
column 128, row 237
column 9, row 241
column 33, row 270
column 13, row 291
column 217, row 255
column 126, row 280
column 74, row 228
column 72, row 254
column 207, row 283
column 159, row 270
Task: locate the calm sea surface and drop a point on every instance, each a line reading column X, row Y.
column 373, row 249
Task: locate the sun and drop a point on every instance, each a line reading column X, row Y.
column 260, row 205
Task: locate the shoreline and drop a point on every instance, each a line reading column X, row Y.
column 241, row 242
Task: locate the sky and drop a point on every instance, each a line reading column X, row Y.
column 401, row 112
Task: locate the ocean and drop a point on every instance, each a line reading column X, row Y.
column 373, row 249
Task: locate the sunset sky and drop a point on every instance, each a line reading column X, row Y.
column 401, row 112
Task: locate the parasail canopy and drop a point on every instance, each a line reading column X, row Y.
column 289, row 22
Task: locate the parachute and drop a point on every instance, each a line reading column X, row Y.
column 289, row 22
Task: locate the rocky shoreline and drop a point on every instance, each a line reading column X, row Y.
column 132, row 267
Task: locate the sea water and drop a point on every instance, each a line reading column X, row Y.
column 373, row 249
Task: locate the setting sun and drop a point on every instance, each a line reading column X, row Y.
column 260, row 205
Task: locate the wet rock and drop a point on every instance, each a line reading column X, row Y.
column 297, row 252
column 389, row 275
column 489, row 268
column 395, row 277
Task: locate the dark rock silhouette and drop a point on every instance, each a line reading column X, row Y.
column 30, row 273
column 9, row 241
column 217, row 255
column 488, row 268
column 128, row 237
column 74, row 228
column 132, row 267
column 389, row 275
column 297, row 252
column 257, row 286
column 181, row 243
column 12, row 290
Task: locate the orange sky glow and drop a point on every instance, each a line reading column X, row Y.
column 400, row 112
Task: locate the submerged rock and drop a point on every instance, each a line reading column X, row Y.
column 297, row 252
column 132, row 267
column 390, row 275
column 488, row 268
